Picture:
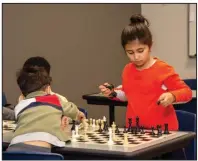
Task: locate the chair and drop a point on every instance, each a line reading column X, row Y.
column 192, row 83
column 31, row 156
column 84, row 111
column 4, row 100
column 187, row 122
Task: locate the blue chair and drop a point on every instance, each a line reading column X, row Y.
column 4, row 100
column 192, row 83
column 31, row 156
column 84, row 111
column 187, row 122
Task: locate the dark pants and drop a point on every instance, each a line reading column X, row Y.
column 21, row 147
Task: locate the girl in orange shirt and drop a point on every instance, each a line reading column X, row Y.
column 149, row 85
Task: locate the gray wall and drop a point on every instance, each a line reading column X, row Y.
column 81, row 41
column 169, row 25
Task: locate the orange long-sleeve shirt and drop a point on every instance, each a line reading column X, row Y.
column 143, row 88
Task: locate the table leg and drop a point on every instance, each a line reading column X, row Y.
column 111, row 114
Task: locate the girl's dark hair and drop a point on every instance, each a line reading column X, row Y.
column 138, row 29
column 31, row 79
column 37, row 61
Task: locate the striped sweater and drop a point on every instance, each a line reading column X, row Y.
column 39, row 118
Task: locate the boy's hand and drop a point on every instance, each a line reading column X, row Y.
column 81, row 116
column 104, row 90
column 166, row 99
column 64, row 122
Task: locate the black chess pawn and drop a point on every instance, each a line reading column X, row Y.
column 117, row 130
column 125, row 130
column 159, row 133
column 166, row 129
column 132, row 130
column 73, row 125
column 137, row 121
column 138, row 124
column 158, row 126
column 105, row 126
column 135, row 130
column 100, row 128
column 142, row 130
column 130, row 125
column 152, row 131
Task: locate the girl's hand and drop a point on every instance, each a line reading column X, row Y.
column 104, row 90
column 166, row 99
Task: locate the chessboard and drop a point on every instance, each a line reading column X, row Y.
column 131, row 140
column 8, row 126
column 99, row 136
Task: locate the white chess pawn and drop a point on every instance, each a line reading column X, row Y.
column 104, row 118
column 126, row 139
column 97, row 124
column 90, row 122
column 113, row 134
column 102, row 124
column 94, row 123
column 86, row 125
column 76, row 130
column 99, row 121
column 110, row 142
column 113, row 126
column 85, row 133
column 85, row 122
column 73, row 136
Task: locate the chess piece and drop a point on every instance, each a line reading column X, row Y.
column 125, row 131
column 117, row 130
column 73, row 125
column 159, row 130
column 133, row 130
column 73, row 136
column 137, row 124
column 102, row 124
column 142, row 130
column 126, row 139
column 104, row 118
column 152, row 132
column 97, row 124
column 136, row 130
column 113, row 126
column 86, row 125
column 113, row 134
column 105, row 126
column 110, row 142
column 76, row 131
column 85, row 133
column 90, row 122
column 100, row 128
column 166, row 129
column 99, row 121
column 130, row 124
column 94, row 123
